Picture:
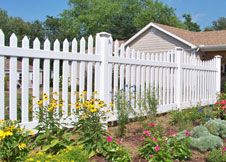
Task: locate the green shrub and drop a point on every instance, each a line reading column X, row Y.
column 124, row 109
column 179, row 147
column 51, row 135
column 192, row 116
column 70, row 154
column 14, row 141
column 114, row 152
column 217, row 127
column 91, row 125
column 217, row 155
column 202, row 140
column 153, row 147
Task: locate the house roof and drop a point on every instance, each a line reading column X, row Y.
column 192, row 39
column 207, row 38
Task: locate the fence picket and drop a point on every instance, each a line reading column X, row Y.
column 65, row 77
column 36, row 78
column 82, row 67
column 13, row 81
column 2, row 79
column 56, row 74
column 90, row 69
column 25, row 83
column 74, row 72
column 46, row 81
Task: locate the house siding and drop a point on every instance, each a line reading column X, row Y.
column 157, row 41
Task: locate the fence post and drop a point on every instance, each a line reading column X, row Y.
column 218, row 75
column 104, row 52
column 179, row 81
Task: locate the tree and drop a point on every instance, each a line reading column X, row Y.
column 220, row 24
column 189, row 25
column 119, row 17
column 208, row 29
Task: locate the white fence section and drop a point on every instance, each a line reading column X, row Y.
column 180, row 79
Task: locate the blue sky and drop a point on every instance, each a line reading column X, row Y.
column 203, row 11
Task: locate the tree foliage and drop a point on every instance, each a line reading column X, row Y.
column 120, row 18
column 189, row 25
column 220, row 24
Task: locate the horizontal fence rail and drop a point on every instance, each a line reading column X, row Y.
column 179, row 79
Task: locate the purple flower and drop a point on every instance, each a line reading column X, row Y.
column 200, row 110
column 208, row 116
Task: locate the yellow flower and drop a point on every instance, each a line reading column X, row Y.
column 30, row 107
column 72, row 161
column 22, row 146
column 95, row 92
column 80, row 147
column 78, row 107
column 46, row 98
column 49, row 156
column 93, row 110
column 84, row 92
column 69, row 114
column 30, row 159
column 50, row 108
column 55, row 93
column 82, row 118
column 69, row 148
column 40, row 153
column 33, row 97
column 75, row 92
column 45, row 95
column 61, row 104
column 39, row 102
column 31, row 132
column 81, row 96
column 1, row 121
column 38, row 161
column 111, row 104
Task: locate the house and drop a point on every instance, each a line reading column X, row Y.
column 19, row 73
column 158, row 37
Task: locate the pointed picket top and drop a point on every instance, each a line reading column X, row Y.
column 74, row 46
column 148, row 56
column 25, row 42
column 116, row 50
column 47, row 45
column 36, row 43
column 110, row 43
column 138, row 55
column 122, row 51
column 56, row 45
column 13, row 40
column 82, row 45
column 90, row 45
column 127, row 52
column 143, row 56
column 66, row 45
column 2, row 38
column 133, row 53
column 97, row 44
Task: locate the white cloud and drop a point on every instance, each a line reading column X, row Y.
column 197, row 17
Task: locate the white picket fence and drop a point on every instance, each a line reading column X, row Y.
column 182, row 80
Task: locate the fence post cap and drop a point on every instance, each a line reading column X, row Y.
column 218, row 56
column 104, row 34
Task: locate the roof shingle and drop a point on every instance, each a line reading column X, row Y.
column 207, row 38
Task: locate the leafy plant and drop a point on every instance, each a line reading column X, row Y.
column 220, row 106
column 124, row 109
column 179, row 147
column 153, row 147
column 51, row 135
column 14, row 141
column 187, row 118
column 91, row 124
column 217, row 127
column 217, row 155
column 114, row 152
column 69, row 154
